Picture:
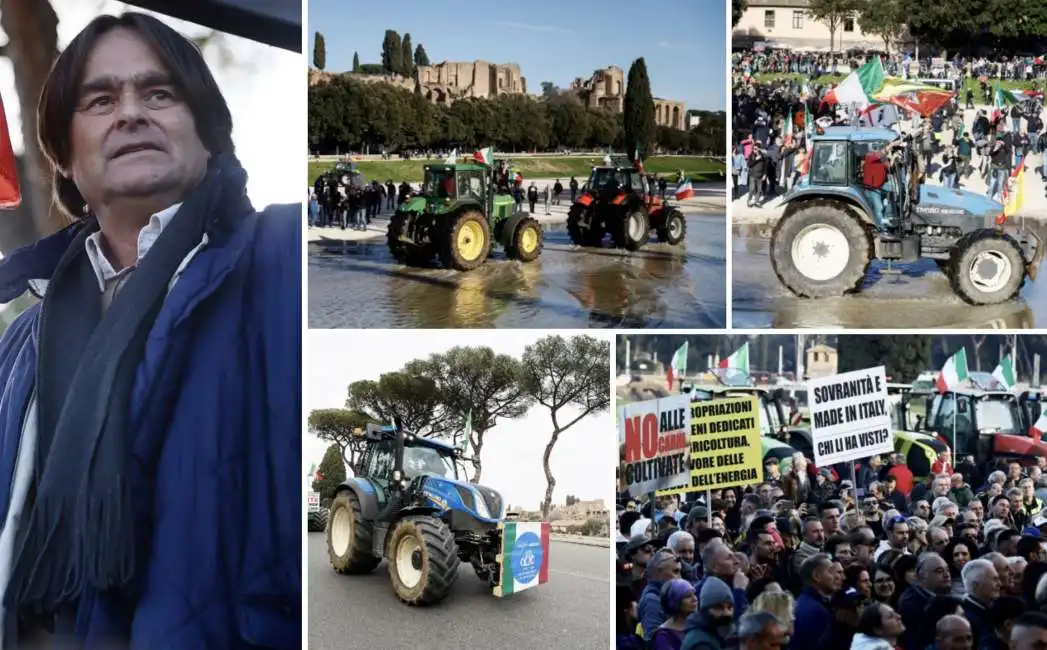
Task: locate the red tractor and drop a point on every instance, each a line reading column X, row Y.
column 619, row 201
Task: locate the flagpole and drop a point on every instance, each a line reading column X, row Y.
column 956, row 407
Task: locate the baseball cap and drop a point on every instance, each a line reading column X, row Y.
column 848, row 597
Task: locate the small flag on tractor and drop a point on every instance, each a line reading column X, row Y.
column 452, row 157
column 1039, row 427
column 484, row 156
column 685, row 190
column 954, row 373
column 739, row 360
column 524, row 557
column 678, row 365
column 10, row 194
column 1004, row 373
column 787, row 140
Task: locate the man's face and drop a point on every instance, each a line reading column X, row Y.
column 892, row 622
column 936, row 578
column 899, row 535
column 831, row 520
column 766, row 549
column 765, row 494
column 815, row 533
column 773, row 638
column 772, row 470
column 845, row 555
column 951, row 511
column 987, row 587
column 923, row 509
column 891, row 484
column 957, row 639
column 685, row 551
column 132, row 134
column 1001, row 509
column 977, row 509
column 938, row 539
column 941, row 487
column 1028, row 638
column 837, row 575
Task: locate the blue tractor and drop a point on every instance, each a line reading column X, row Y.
column 408, row 505
column 834, row 225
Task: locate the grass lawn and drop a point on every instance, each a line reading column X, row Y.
column 824, row 80
column 698, row 169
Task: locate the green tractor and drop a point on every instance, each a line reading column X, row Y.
column 410, row 505
column 457, row 217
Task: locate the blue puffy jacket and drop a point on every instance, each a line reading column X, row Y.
column 649, row 608
column 221, row 568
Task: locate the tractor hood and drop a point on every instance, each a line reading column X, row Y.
column 938, row 203
column 1007, row 444
column 419, row 203
column 451, row 494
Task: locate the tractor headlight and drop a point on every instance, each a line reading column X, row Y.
column 481, row 506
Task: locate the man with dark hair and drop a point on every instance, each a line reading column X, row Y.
column 839, row 548
column 150, row 423
column 932, row 579
column 878, row 626
column 812, row 607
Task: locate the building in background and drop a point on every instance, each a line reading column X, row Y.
column 786, row 23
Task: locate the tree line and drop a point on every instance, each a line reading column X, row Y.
column 905, row 357
column 349, row 115
column 398, row 57
column 433, row 397
column 965, row 26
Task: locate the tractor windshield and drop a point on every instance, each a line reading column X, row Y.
column 419, row 460
column 440, row 182
column 997, row 416
column 605, row 179
column 829, row 163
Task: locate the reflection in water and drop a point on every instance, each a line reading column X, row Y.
column 907, row 295
column 360, row 285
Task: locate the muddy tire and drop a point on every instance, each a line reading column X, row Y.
column 820, row 251
column 317, row 521
column 986, row 268
column 674, row 229
column 582, row 232
column 632, row 231
column 349, row 536
column 466, row 240
column 403, row 252
column 423, row 560
column 526, row 243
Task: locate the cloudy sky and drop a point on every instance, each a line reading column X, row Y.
column 264, row 86
column 582, row 461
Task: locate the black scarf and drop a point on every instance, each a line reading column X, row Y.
column 79, row 531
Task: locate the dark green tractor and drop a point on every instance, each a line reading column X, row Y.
column 458, row 217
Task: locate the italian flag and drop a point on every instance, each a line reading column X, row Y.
column 1004, row 373
column 954, row 372
column 678, row 365
column 1007, row 97
column 684, row 190
column 524, row 557
column 739, row 360
column 787, row 137
column 859, row 87
column 1039, row 427
column 484, row 156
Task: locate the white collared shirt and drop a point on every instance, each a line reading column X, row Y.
column 104, row 269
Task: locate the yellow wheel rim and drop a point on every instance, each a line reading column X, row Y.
column 470, row 240
column 528, row 239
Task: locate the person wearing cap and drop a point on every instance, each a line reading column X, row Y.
column 679, row 601
column 845, row 606
column 635, row 556
column 709, row 627
column 663, row 566
column 932, row 579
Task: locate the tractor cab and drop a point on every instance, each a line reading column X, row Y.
column 613, row 181
column 987, row 425
column 920, row 449
column 774, row 416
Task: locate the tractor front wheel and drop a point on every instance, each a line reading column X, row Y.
column 582, row 226
column 466, row 241
column 673, row 230
column 349, row 536
column 403, row 252
column 820, row 251
column 632, row 231
column 526, row 243
column 986, row 268
column 423, row 560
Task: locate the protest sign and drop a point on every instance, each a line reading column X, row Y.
column 654, row 436
column 725, row 446
column 849, row 416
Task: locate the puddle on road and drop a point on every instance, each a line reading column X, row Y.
column 360, row 285
column 913, row 295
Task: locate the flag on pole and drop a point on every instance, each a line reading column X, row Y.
column 10, row 193
column 1039, row 427
column 463, row 444
column 1014, row 192
column 739, row 360
column 312, row 470
column 678, row 365
column 524, row 556
column 859, row 86
column 788, row 139
column 1007, row 97
column 684, row 190
column 1004, row 373
column 452, row 157
column 484, row 156
column 954, row 372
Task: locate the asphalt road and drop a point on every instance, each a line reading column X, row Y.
column 570, row 612
column 360, row 285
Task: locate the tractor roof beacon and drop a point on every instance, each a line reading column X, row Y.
column 458, row 216
column 834, row 225
column 409, row 507
column 618, row 200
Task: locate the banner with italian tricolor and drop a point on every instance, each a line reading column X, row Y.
column 954, row 372
column 524, row 557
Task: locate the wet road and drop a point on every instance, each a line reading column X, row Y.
column 570, row 612
column 360, row 285
column 914, row 295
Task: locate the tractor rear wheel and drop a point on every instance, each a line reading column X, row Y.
column 632, row 231
column 317, row 521
column 986, row 268
column 526, row 243
column 466, row 240
column 673, row 230
column 820, row 251
column 583, row 231
column 423, row 560
column 349, row 536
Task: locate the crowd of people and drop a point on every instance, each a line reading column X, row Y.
column 769, row 152
column 811, row 559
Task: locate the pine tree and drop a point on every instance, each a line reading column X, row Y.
column 319, row 52
column 420, row 57
column 407, row 63
column 392, row 52
column 356, row 62
column 638, row 115
column 331, row 473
